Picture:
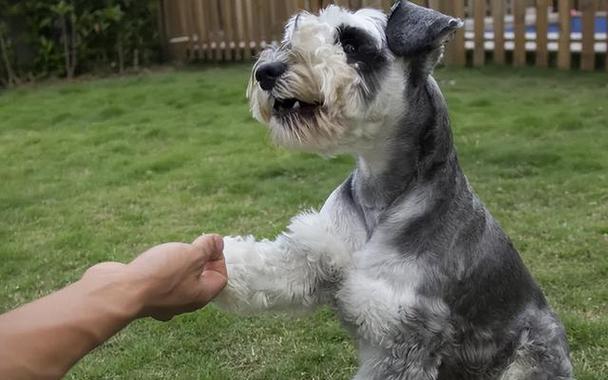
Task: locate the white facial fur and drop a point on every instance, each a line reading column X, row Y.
column 318, row 73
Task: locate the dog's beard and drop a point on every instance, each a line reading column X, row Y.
column 311, row 104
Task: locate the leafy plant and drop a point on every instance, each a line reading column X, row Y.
column 9, row 78
column 69, row 37
column 65, row 13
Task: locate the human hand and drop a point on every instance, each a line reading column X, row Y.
column 172, row 278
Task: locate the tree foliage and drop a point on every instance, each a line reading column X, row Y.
column 41, row 38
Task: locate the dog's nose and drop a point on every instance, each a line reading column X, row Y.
column 268, row 73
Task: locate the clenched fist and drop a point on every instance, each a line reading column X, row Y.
column 172, row 278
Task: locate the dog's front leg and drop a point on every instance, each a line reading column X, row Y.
column 288, row 273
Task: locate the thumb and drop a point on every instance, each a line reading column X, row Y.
column 211, row 246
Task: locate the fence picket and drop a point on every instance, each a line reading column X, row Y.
column 457, row 54
column 284, row 15
column 542, row 28
column 386, row 5
column 261, row 21
column 290, row 7
column 342, row 3
column 237, row 29
column 563, row 54
column 280, row 12
column 202, row 29
column 588, row 21
column 252, row 38
column 228, row 40
column 372, row 4
column 317, row 5
column 479, row 53
column 519, row 26
column 180, row 47
column 498, row 17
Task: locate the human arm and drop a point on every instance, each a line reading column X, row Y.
column 43, row 339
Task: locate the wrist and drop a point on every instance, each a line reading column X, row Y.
column 121, row 294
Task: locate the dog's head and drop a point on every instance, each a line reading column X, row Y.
column 338, row 77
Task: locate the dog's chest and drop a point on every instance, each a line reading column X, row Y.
column 377, row 291
column 379, row 282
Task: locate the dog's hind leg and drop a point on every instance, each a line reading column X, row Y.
column 289, row 273
column 385, row 364
column 543, row 352
column 412, row 349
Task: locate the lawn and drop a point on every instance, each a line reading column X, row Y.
column 100, row 170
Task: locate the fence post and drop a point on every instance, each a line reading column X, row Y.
column 238, row 31
column 242, row 41
column 498, row 15
column 185, row 22
column 261, row 22
column 177, row 30
column 227, row 26
column 455, row 50
column 250, row 36
column 374, row 4
column 355, row 4
column 214, row 29
column 542, row 25
column 199, row 22
column 479, row 53
column 563, row 54
column 588, row 20
column 519, row 26
column 386, row 5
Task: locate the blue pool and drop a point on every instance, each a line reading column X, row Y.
column 576, row 25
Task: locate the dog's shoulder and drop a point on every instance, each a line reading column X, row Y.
column 345, row 214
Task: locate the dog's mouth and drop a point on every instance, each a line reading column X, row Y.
column 294, row 106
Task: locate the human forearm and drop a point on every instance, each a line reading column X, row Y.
column 42, row 340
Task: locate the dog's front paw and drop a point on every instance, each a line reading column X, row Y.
column 240, row 295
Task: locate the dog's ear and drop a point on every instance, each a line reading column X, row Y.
column 413, row 31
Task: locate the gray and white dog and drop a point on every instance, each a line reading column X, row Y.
column 404, row 251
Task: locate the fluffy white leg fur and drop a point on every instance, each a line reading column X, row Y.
column 289, row 273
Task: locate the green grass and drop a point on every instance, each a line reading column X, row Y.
column 101, row 170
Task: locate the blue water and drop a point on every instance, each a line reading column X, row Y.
column 576, row 25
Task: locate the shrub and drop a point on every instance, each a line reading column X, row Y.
column 41, row 38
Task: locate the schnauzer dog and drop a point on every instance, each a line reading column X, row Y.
column 413, row 263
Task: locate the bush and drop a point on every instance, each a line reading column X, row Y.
column 67, row 37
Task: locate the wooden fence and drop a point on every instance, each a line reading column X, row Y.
column 562, row 33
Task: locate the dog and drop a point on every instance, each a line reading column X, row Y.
column 413, row 263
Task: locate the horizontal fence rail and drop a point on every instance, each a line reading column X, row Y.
column 561, row 33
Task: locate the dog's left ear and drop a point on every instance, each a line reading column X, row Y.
column 413, row 31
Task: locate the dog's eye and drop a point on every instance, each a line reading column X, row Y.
column 349, row 49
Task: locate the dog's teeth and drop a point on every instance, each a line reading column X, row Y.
column 296, row 105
